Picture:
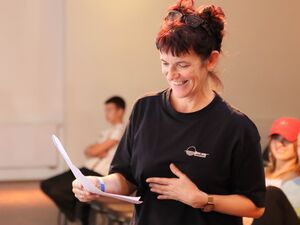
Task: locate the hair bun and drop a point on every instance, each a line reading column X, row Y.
column 184, row 6
column 215, row 18
column 211, row 12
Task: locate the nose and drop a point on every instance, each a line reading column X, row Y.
column 172, row 73
column 278, row 144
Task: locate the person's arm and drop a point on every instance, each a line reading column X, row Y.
column 101, row 149
column 184, row 190
column 237, row 205
column 114, row 183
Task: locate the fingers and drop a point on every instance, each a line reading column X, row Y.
column 179, row 189
column 158, row 188
column 84, row 196
column 161, row 186
column 176, row 171
column 159, row 180
column 81, row 193
column 164, row 197
column 77, row 189
column 164, row 187
column 77, row 184
column 166, row 181
column 164, row 191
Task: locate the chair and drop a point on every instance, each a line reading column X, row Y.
column 111, row 213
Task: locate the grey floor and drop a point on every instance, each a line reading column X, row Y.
column 22, row 203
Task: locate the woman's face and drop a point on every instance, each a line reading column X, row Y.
column 186, row 74
column 282, row 149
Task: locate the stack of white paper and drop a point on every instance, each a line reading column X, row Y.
column 86, row 183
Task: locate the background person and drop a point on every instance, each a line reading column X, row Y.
column 283, row 174
column 99, row 157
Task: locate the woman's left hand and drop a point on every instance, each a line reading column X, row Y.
column 180, row 189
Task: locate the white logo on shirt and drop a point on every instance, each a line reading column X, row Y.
column 192, row 151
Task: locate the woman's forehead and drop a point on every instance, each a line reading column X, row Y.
column 166, row 56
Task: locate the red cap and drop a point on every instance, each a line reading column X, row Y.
column 287, row 127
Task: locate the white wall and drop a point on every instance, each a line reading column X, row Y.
column 260, row 64
column 109, row 49
column 31, row 86
column 31, row 61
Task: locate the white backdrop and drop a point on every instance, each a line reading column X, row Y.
column 109, row 49
column 31, row 85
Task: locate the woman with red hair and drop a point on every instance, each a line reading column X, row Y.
column 193, row 158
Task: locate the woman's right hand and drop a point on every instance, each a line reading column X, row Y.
column 82, row 194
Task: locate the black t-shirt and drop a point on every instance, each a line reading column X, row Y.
column 218, row 148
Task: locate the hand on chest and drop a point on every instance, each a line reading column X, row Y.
column 190, row 150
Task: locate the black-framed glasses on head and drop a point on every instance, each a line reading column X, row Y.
column 191, row 20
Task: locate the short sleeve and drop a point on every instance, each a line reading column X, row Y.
column 121, row 162
column 247, row 167
column 117, row 132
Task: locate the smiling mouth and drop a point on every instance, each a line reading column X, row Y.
column 179, row 83
column 281, row 151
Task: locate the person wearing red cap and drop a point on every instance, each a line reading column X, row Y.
column 283, row 174
column 287, row 127
column 284, row 161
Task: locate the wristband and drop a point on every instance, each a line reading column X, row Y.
column 102, row 184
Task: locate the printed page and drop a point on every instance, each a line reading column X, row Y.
column 86, row 183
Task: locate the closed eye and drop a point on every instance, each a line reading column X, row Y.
column 183, row 65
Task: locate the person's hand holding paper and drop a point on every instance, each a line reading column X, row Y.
column 86, row 183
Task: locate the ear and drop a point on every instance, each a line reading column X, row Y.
column 212, row 60
column 120, row 112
